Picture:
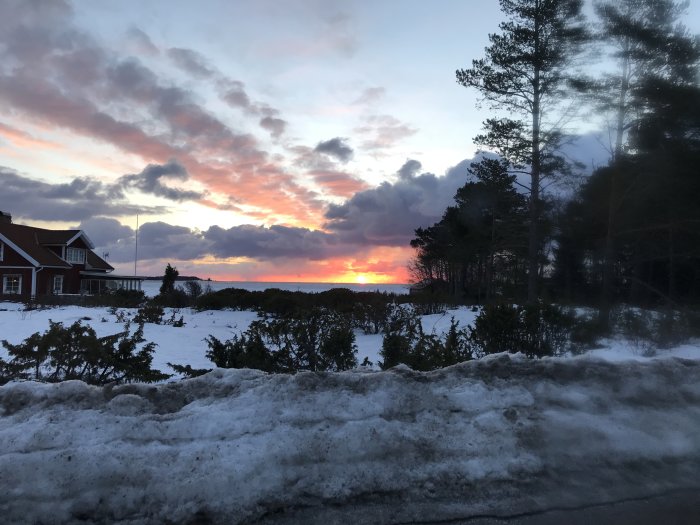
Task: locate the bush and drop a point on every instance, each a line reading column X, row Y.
column 75, row 352
column 318, row 340
column 406, row 343
column 651, row 329
column 150, row 313
column 536, row 330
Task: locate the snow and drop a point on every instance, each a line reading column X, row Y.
column 501, row 436
column 187, row 346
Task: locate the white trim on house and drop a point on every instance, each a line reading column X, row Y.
column 82, row 234
column 19, row 250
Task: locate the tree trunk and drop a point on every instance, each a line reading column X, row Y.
column 533, row 237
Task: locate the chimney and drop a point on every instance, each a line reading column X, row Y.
column 5, row 218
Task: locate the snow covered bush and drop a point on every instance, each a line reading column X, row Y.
column 75, row 352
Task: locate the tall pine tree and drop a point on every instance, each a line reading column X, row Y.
column 524, row 73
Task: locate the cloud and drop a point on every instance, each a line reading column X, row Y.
column 389, row 214
column 191, row 62
column 59, row 77
column 162, row 241
column 141, row 42
column 336, row 148
column 338, row 183
column 370, row 96
column 104, row 231
column 77, row 200
column 383, row 132
column 276, row 126
column 22, row 139
column 149, row 181
column 262, row 242
column 409, row 169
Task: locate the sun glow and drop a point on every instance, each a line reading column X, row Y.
column 361, row 278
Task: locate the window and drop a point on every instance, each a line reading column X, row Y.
column 12, row 284
column 57, row 284
column 2, row 251
column 75, row 255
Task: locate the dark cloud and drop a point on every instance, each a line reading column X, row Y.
column 191, row 62
column 234, row 94
column 389, row 214
column 77, row 200
column 104, row 231
column 336, row 148
column 159, row 240
column 276, row 126
column 260, row 242
column 150, row 181
column 409, row 169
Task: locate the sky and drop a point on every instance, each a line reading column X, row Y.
column 296, row 140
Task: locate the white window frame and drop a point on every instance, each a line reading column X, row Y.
column 57, row 290
column 5, row 282
column 75, row 255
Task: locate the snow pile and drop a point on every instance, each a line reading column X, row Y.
column 496, row 437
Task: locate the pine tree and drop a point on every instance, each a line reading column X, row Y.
column 169, row 277
column 524, row 73
column 641, row 36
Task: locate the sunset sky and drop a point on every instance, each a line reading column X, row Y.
column 268, row 140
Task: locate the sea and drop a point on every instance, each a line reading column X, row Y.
column 151, row 288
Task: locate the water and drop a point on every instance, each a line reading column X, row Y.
column 151, row 287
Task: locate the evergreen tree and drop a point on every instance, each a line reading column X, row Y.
column 524, row 73
column 643, row 38
column 477, row 246
column 169, row 277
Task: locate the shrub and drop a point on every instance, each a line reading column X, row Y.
column 318, row 340
column 651, row 329
column 406, row 343
column 536, row 330
column 75, row 352
column 150, row 313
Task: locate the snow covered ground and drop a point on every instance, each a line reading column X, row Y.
column 504, row 436
column 498, row 437
column 183, row 345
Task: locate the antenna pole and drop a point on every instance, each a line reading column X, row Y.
column 136, row 246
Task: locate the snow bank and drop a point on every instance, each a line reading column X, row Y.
column 497, row 437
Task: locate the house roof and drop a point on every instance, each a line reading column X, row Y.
column 95, row 262
column 29, row 242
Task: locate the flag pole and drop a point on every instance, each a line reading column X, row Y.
column 136, row 245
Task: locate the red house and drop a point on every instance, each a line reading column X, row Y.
column 36, row 261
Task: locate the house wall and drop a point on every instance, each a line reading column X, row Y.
column 71, row 279
column 12, row 258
